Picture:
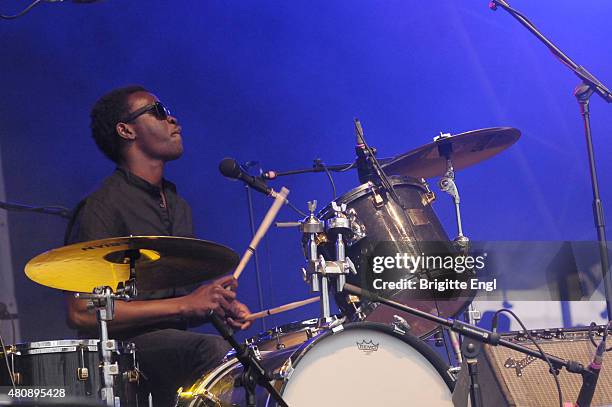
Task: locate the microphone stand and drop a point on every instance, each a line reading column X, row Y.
column 47, row 210
column 249, row 195
column 370, row 156
column 589, row 85
column 590, row 378
column 254, row 372
column 475, row 334
column 317, row 167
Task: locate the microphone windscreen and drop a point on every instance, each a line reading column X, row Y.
column 229, row 168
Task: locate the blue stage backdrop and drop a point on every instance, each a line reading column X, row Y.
column 279, row 83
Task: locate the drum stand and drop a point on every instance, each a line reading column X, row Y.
column 103, row 299
column 319, row 271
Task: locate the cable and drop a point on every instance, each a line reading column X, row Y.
column 24, row 11
column 8, row 367
column 292, row 206
column 445, row 335
column 551, row 368
column 348, row 167
column 591, row 336
column 319, row 163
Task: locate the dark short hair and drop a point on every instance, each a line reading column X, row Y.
column 105, row 114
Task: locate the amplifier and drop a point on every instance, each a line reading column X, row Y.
column 510, row 378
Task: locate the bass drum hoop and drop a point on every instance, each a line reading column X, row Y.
column 417, row 344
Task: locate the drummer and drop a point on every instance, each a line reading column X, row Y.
column 137, row 132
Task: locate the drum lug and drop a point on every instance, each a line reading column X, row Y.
column 286, row 370
column 207, row 397
column 357, row 227
column 82, row 373
column 257, row 353
column 377, row 199
column 132, row 376
column 429, row 196
column 400, row 324
column 82, row 370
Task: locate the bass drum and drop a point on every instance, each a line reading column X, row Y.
column 382, row 228
column 358, row 364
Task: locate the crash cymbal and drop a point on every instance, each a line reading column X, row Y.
column 164, row 262
column 467, row 149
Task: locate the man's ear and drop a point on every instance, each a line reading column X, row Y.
column 124, row 131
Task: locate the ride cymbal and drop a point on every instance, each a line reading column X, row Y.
column 466, row 149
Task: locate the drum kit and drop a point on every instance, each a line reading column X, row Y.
column 368, row 354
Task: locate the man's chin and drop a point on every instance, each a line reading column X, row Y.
column 175, row 155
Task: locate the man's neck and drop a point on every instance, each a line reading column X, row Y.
column 150, row 171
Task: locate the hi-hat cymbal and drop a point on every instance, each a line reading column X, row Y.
column 467, row 148
column 164, row 262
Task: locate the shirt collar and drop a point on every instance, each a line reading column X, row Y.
column 144, row 184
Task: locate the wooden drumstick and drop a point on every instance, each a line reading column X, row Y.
column 282, row 308
column 279, row 200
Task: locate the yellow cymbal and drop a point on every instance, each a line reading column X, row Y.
column 163, row 262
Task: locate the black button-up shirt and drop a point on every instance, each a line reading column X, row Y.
column 127, row 205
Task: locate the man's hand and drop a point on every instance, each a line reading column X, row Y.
column 236, row 315
column 214, row 296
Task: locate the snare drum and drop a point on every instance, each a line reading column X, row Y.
column 72, row 366
column 289, row 335
column 358, row 364
column 381, row 226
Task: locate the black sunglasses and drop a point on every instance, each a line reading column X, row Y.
column 160, row 111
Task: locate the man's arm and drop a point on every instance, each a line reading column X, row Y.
column 96, row 220
column 128, row 315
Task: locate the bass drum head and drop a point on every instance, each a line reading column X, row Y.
column 359, row 365
column 368, row 364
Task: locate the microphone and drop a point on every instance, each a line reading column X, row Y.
column 364, row 169
column 231, row 169
column 589, row 379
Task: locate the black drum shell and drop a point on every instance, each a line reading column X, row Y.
column 54, row 364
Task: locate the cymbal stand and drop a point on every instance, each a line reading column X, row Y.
column 447, row 184
column 103, row 299
column 319, row 272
